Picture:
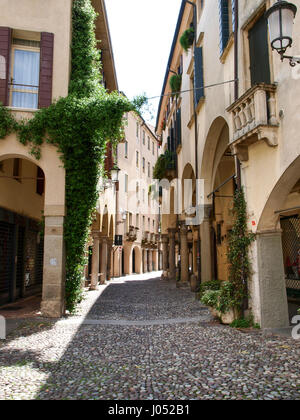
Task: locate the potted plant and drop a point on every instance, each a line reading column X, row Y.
column 175, row 83
column 187, row 38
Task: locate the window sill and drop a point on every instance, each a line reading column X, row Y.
column 224, row 54
column 32, row 110
column 200, row 103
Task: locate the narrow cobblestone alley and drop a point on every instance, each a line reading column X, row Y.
column 142, row 338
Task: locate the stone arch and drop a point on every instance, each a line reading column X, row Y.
column 111, row 228
column 54, row 211
column 49, row 162
column 105, row 223
column 188, row 191
column 269, row 220
column 136, row 260
column 216, row 143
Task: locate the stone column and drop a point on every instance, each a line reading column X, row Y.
column 103, row 271
column 184, row 254
column 150, row 261
column 172, row 267
column 271, row 279
column 145, row 261
column 206, row 261
column 165, row 261
column 95, row 262
column 156, row 258
column 53, row 301
column 109, row 258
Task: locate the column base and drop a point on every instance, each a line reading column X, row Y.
column 53, row 308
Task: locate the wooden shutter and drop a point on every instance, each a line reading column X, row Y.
column 233, row 14
column 178, row 127
column 224, row 24
column 109, row 160
column 259, row 53
column 46, row 70
column 5, row 48
column 198, row 75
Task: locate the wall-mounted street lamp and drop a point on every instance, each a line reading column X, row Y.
column 115, row 174
column 281, row 20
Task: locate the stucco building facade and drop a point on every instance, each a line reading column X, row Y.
column 35, row 52
column 245, row 101
column 137, row 209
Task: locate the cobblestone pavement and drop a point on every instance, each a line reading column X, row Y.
column 158, row 360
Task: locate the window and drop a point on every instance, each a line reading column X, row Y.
column 149, row 174
column 148, row 143
column 17, row 169
column 153, row 148
column 126, row 183
column 40, row 182
column 259, row 52
column 137, row 190
column 144, row 137
column 144, row 163
column 126, row 149
column 137, row 221
column 137, row 130
column 226, row 19
column 137, row 159
column 198, row 75
column 25, row 74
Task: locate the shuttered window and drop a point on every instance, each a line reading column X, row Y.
column 198, row 75
column 224, row 24
column 5, row 47
column 178, row 127
column 28, row 83
column 46, row 69
column 259, row 53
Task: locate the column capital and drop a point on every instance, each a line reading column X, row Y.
column 95, row 234
column 270, row 232
column 183, row 229
column 172, row 232
column 207, row 211
column 104, row 239
column 165, row 238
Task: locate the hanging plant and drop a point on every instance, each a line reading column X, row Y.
column 175, row 83
column 164, row 163
column 187, row 39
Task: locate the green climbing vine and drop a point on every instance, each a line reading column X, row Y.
column 80, row 126
column 231, row 294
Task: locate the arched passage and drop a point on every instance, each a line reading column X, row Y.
column 136, row 260
column 217, row 172
column 278, row 225
column 28, row 188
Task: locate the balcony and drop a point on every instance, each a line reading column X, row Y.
column 146, row 241
column 132, row 234
column 254, row 119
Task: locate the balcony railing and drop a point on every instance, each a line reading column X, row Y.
column 132, row 234
column 254, row 119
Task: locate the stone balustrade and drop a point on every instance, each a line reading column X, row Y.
column 254, row 119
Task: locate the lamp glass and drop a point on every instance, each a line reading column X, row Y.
column 115, row 174
column 281, row 20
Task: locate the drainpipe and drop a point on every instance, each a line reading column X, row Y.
column 236, row 78
column 196, row 142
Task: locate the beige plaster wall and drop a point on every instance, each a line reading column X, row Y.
column 45, row 16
